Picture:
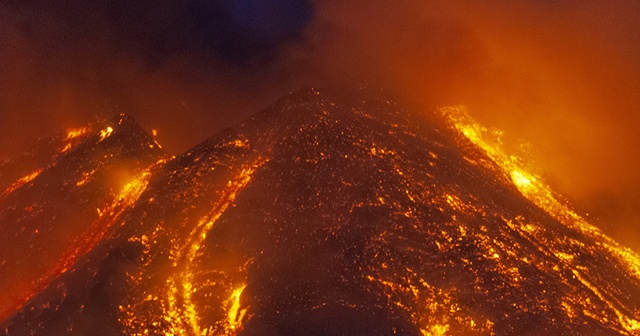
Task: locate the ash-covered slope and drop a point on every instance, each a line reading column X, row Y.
column 339, row 216
column 57, row 213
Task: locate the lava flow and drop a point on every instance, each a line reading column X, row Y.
column 323, row 216
column 55, row 215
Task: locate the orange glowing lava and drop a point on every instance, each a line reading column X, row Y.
column 534, row 189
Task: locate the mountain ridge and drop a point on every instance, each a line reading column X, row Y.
column 48, row 208
column 337, row 216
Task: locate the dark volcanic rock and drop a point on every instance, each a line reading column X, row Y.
column 61, row 211
column 339, row 216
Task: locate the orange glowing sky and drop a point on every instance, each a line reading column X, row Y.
column 561, row 78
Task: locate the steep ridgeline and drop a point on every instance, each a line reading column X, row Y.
column 59, row 212
column 338, row 216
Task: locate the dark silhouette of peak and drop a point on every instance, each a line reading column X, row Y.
column 338, row 214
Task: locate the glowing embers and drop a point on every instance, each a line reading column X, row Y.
column 570, row 253
column 435, row 311
column 533, row 188
column 234, row 313
column 76, row 133
column 435, row 330
column 587, row 293
column 61, row 257
column 522, row 179
column 529, row 185
column 449, row 202
column 105, row 133
column 489, row 141
column 73, row 137
column 627, row 323
column 381, row 152
column 21, row 181
column 30, row 177
column 456, row 203
column 133, row 314
column 86, row 177
column 128, row 194
column 182, row 311
column 238, row 143
column 132, row 190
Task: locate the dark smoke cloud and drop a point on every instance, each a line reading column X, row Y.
column 560, row 75
column 187, row 68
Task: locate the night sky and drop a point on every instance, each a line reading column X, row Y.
column 562, row 78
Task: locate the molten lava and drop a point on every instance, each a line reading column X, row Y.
column 542, row 195
column 64, row 213
column 235, row 313
column 105, row 133
column 319, row 215
column 21, row 181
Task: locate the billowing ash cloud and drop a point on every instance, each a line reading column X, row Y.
column 561, row 75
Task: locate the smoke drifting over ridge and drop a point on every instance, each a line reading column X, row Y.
column 560, row 75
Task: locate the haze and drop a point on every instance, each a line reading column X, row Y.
column 561, row 78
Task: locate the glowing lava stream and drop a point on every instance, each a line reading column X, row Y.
column 182, row 314
column 534, row 189
column 127, row 196
column 234, row 313
column 20, row 182
column 72, row 136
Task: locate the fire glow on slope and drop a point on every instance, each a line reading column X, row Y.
column 128, row 195
column 534, row 189
column 107, row 216
column 422, row 235
column 105, row 133
column 182, row 313
column 76, row 133
column 22, row 181
column 73, row 137
column 234, row 313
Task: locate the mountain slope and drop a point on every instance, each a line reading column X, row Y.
column 339, row 216
column 56, row 214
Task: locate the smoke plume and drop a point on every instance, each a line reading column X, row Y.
column 560, row 77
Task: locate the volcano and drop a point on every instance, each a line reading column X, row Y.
column 325, row 214
column 59, row 212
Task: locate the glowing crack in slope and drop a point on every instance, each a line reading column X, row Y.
column 94, row 233
column 234, row 313
column 124, row 199
column 105, row 133
column 182, row 313
column 535, row 190
column 73, row 135
column 21, row 181
column 76, row 133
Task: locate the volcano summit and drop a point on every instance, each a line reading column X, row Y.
column 325, row 215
